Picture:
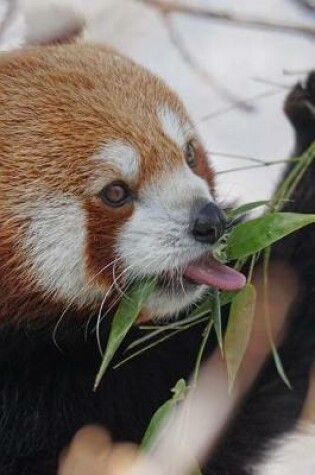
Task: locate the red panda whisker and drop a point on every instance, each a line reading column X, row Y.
column 116, row 283
column 180, row 278
column 128, row 284
column 60, row 319
column 100, row 317
column 99, row 320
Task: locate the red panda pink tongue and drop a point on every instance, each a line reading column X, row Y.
column 215, row 274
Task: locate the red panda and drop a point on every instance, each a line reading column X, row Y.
column 103, row 180
column 112, row 186
column 99, row 186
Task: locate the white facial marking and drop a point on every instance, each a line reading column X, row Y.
column 291, row 454
column 162, row 304
column 122, row 157
column 157, row 237
column 172, row 125
column 56, row 242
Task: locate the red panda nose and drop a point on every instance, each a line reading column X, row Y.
column 209, row 224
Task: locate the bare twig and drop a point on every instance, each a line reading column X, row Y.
column 169, row 7
column 236, row 156
column 296, row 72
column 272, row 83
column 263, row 95
column 230, row 108
column 250, row 167
column 201, row 71
column 308, row 5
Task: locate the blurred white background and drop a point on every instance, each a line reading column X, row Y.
column 242, row 62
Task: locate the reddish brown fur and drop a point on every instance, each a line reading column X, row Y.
column 59, row 105
column 203, row 169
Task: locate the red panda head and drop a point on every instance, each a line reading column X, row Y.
column 101, row 178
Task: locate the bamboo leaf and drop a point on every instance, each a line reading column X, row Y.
column 216, row 317
column 238, row 330
column 252, row 236
column 156, row 422
column 196, row 470
column 179, row 390
column 275, row 354
column 205, row 338
column 280, row 368
column 162, row 413
column 206, row 307
column 123, row 320
column 226, row 296
column 244, row 209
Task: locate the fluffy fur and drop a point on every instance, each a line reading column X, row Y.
column 78, row 105
column 293, row 454
column 65, row 110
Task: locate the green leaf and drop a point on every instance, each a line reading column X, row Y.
column 275, row 354
column 218, row 250
column 156, row 422
column 216, row 317
column 205, row 338
column 226, row 296
column 162, row 413
column 252, row 236
column 279, row 367
column 244, row 209
column 195, row 470
column 126, row 314
column 179, row 390
column 238, row 330
column 206, row 307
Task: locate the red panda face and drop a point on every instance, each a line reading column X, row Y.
column 101, row 177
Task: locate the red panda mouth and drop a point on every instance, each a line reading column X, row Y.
column 206, row 271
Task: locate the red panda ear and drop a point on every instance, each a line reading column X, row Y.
column 38, row 23
column 52, row 23
column 12, row 26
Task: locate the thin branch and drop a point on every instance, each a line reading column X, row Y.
column 308, row 5
column 230, row 108
column 269, row 82
column 296, row 72
column 250, row 167
column 236, row 156
column 201, row 71
column 168, row 7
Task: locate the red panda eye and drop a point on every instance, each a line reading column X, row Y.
column 115, row 194
column 190, row 155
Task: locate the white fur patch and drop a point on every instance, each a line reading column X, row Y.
column 294, row 454
column 55, row 242
column 123, row 157
column 172, row 126
column 157, row 237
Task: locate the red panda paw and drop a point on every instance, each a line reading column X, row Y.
column 300, row 103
